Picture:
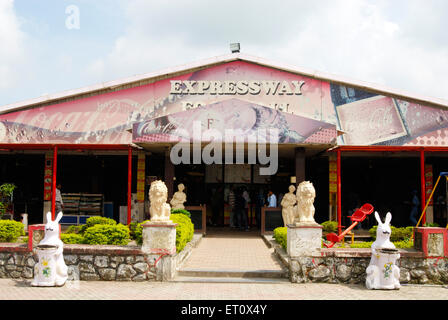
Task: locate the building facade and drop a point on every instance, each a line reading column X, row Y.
column 356, row 142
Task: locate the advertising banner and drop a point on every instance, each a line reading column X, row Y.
column 233, row 120
column 238, row 86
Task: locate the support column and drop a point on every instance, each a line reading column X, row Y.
column 429, row 214
column 129, row 184
column 48, row 176
column 299, row 165
column 169, row 174
column 53, row 182
column 141, row 168
column 339, row 191
column 333, row 188
column 422, row 184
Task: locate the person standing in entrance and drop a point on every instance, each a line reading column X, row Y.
column 240, row 210
column 59, row 206
column 231, row 201
column 246, row 207
column 260, row 202
column 272, row 200
column 414, row 210
column 217, row 204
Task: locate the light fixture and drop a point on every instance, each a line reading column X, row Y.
column 235, row 47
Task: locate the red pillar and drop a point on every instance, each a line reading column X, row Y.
column 53, row 180
column 339, row 193
column 422, row 184
column 129, row 183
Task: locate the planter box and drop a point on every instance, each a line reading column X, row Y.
column 432, row 241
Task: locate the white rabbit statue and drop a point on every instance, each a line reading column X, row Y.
column 382, row 273
column 51, row 269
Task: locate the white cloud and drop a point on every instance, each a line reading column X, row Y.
column 400, row 44
column 12, row 53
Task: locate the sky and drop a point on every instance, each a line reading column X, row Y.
column 48, row 46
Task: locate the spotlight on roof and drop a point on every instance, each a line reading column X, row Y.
column 235, row 47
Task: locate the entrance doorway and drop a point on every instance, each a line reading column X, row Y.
column 211, row 185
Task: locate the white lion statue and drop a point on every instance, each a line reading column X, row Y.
column 304, row 213
column 159, row 210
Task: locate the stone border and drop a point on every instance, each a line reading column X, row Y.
column 349, row 266
column 99, row 262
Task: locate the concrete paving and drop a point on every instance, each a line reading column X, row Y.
column 103, row 290
column 230, row 249
column 234, row 252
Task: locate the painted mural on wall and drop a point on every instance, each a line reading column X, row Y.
column 370, row 119
column 232, row 120
column 365, row 118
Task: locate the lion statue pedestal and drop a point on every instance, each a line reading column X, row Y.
column 304, row 235
column 159, row 234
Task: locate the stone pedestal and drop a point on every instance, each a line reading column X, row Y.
column 304, row 239
column 159, row 238
column 432, row 241
column 36, row 233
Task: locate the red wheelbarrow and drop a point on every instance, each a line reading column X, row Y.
column 357, row 217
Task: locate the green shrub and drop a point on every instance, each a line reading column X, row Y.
column 366, row 244
column 433, row 225
column 132, row 228
column 405, row 244
column 138, row 232
column 184, row 230
column 330, row 226
column 280, row 235
column 72, row 238
column 398, row 244
column 11, row 230
column 398, row 234
column 74, row 229
column 182, row 211
column 92, row 221
column 117, row 234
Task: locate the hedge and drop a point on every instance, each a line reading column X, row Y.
column 75, row 229
column 107, row 234
column 329, row 226
column 398, row 234
column 138, row 236
column 184, row 230
column 398, row 244
column 72, row 238
column 182, row 211
column 280, row 235
column 11, row 230
column 92, row 221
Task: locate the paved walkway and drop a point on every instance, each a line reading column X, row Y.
column 227, row 249
column 103, row 290
column 220, row 249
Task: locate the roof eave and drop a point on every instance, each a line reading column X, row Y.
column 185, row 68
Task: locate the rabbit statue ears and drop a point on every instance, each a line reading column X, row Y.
column 58, row 217
column 386, row 222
